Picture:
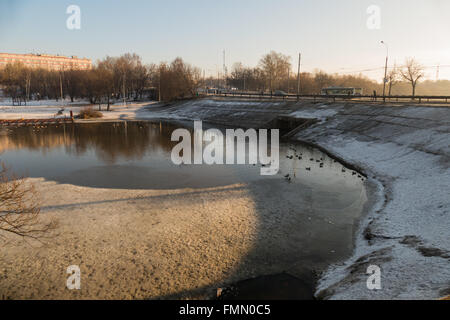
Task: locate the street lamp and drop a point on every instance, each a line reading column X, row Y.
column 385, row 71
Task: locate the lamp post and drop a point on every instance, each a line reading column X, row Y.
column 385, row 71
column 298, row 74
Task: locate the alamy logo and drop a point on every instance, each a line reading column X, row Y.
column 374, row 20
column 213, row 153
column 374, row 280
column 74, row 280
column 74, row 20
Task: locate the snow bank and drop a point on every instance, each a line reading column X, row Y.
column 48, row 109
column 405, row 151
column 42, row 103
column 321, row 113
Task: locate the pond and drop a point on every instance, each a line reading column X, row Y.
column 307, row 213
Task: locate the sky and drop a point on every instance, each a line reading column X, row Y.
column 332, row 35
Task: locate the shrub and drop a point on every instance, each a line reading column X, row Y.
column 89, row 113
column 19, row 208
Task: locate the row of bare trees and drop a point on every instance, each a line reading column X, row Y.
column 127, row 78
column 253, row 79
column 274, row 72
column 113, row 78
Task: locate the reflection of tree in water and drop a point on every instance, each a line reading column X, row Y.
column 110, row 141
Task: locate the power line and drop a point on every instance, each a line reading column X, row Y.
column 394, row 67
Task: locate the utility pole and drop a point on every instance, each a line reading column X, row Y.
column 123, row 89
column 298, row 74
column 159, row 85
column 28, row 86
column 392, row 78
column 289, row 71
column 204, row 82
column 437, row 72
column 225, row 75
column 385, row 71
column 60, row 86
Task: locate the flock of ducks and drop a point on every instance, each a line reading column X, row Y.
column 299, row 156
column 38, row 128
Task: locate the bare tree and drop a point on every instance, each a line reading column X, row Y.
column 412, row 72
column 105, row 80
column 246, row 78
column 19, row 208
column 393, row 78
column 275, row 66
column 15, row 81
column 321, row 80
column 178, row 80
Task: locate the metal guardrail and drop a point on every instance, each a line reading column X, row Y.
column 397, row 98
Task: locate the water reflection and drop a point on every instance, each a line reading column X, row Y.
column 136, row 155
column 111, row 141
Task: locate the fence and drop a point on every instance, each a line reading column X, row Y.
column 314, row 98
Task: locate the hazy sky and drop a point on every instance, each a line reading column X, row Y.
column 331, row 34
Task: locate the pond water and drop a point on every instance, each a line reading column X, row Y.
column 317, row 206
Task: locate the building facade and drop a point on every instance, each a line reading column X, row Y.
column 44, row 61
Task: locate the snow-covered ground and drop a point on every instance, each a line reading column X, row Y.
column 45, row 109
column 321, row 113
column 190, row 110
column 405, row 151
column 6, row 102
